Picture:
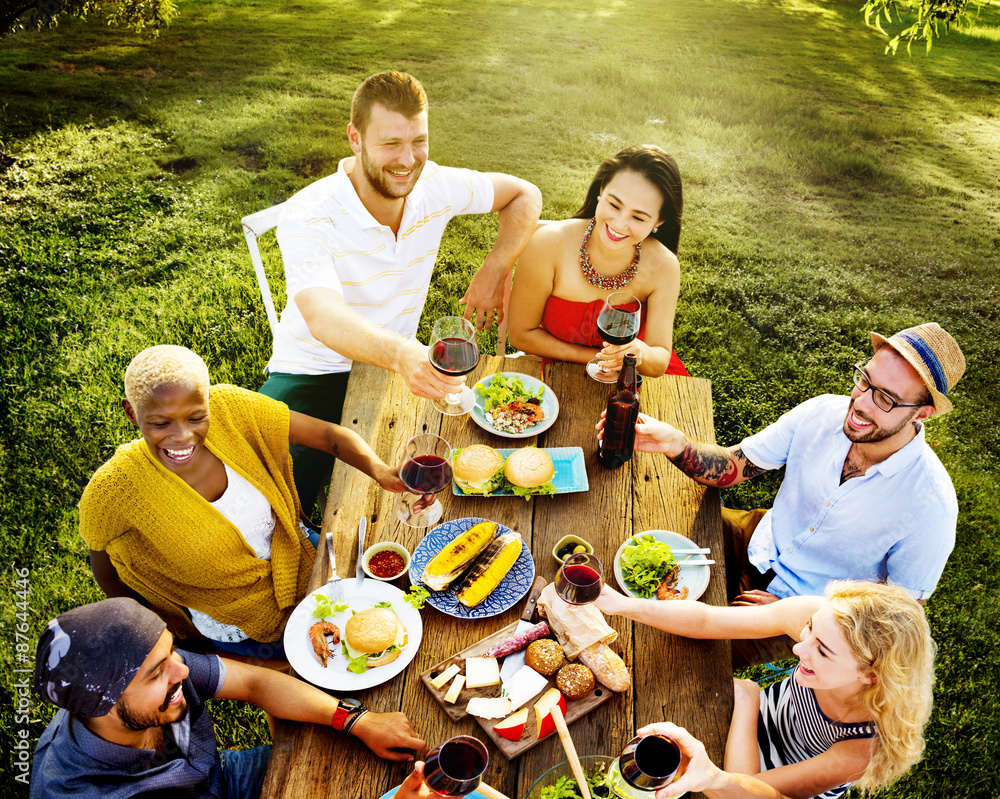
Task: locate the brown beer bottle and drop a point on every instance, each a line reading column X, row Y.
column 619, row 423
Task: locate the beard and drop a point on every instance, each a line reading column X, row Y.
column 376, row 179
column 875, row 433
column 137, row 722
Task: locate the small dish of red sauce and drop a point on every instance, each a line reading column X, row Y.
column 385, row 561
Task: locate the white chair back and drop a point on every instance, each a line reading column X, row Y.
column 256, row 225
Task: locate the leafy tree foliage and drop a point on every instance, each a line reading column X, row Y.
column 932, row 15
column 139, row 15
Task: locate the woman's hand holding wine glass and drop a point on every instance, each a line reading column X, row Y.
column 618, row 324
column 426, row 470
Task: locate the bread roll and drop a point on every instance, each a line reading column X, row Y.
column 607, row 666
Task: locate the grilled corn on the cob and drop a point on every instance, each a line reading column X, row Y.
column 489, row 569
column 445, row 567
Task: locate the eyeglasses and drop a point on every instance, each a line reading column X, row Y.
column 882, row 400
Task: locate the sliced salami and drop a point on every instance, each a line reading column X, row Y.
column 518, row 641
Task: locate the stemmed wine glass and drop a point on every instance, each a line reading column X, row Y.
column 454, row 768
column 426, row 470
column 647, row 763
column 579, row 580
column 618, row 323
column 454, row 351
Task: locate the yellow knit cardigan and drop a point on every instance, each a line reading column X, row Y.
column 170, row 545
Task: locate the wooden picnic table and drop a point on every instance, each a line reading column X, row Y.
column 682, row 680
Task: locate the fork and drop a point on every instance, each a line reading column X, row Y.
column 334, row 587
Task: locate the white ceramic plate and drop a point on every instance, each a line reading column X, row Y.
column 693, row 577
column 335, row 675
column 549, row 404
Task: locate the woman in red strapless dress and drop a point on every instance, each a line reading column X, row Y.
column 624, row 238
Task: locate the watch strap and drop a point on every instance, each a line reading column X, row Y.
column 340, row 716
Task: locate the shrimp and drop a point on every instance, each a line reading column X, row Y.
column 318, row 633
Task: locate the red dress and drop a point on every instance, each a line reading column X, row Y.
column 576, row 323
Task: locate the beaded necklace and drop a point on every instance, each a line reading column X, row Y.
column 595, row 278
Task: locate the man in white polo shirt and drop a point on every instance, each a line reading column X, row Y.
column 359, row 247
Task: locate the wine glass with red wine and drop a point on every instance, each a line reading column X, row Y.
column 618, row 323
column 455, row 767
column 579, row 580
column 426, row 470
column 650, row 762
column 454, row 351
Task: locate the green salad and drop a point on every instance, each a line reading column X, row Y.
column 567, row 787
column 645, row 563
column 505, row 389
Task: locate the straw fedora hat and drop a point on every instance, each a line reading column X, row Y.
column 935, row 355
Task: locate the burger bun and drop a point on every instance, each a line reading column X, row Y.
column 529, row 467
column 372, row 632
column 475, row 467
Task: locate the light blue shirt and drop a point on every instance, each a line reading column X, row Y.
column 895, row 523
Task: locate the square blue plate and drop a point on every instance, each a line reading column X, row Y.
column 570, row 476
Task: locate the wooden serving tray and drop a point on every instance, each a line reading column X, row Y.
column 529, row 738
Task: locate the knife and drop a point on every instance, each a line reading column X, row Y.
column 336, row 590
column 513, row 662
column 362, row 529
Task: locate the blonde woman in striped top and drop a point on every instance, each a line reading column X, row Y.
column 854, row 709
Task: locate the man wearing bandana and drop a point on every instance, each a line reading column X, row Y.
column 133, row 720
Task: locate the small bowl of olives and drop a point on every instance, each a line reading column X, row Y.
column 570, row 545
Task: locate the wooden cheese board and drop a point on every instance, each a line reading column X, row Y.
column 457, row 711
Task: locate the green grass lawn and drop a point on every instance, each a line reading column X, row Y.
column 830, row 191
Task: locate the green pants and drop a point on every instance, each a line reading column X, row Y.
column 321, row 396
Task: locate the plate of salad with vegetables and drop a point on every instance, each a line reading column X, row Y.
column 646, row 567
column 514, row 405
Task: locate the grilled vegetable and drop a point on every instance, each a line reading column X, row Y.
column 489, row 569
column 445, row 567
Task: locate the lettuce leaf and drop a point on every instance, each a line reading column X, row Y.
column 546, row 489
column 504, row 389
column 645, row 563
column 325, row 608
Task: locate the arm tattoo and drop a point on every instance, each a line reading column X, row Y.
column 715, row 465
column 751, row 469
column 707, row 463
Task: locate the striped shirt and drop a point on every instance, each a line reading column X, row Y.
column 328, row 239
column 791, row 728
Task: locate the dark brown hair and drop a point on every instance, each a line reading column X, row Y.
column 395, row 91
column 658, row 168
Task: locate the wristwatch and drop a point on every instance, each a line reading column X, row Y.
column 346, row 708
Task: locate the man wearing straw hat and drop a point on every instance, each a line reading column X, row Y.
column 133, row 719
column 863, row 496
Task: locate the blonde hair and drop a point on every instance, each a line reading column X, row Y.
column 889, row 636
column 163, row 365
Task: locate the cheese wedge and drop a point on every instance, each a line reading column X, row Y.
column 480, row 672
column 489, row 708
column 439, row 681
column 455, row 689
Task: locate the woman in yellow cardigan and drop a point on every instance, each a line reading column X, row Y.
column 199, row 518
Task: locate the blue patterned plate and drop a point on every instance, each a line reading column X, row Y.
column 570, row 476
column 511, row 589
